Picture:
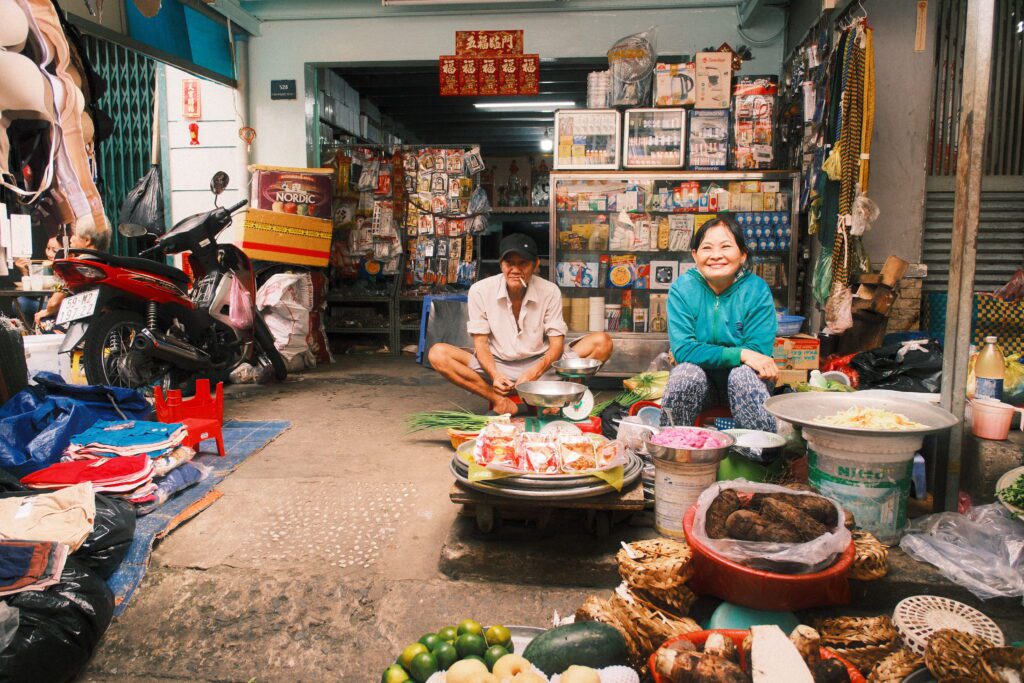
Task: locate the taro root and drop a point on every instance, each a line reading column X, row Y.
column 744, row 525
column 726, row 503
column 784, row 513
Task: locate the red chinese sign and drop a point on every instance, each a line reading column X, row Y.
column 488, row 43
column 489, row 63
column 191, row 99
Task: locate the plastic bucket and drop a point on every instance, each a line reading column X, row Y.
column 869, row 476
column 677, row 485
column 991, row 419
column 41, row 355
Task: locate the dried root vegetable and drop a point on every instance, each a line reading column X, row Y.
column 744, row 525
column 818, row 507
column 726, row 503
column 830, row 671
column 806, row 526
column 808, row 644
column 722, row 646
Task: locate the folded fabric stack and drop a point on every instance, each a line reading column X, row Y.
column 66, row 516
column 30, row 565
column 126, row 437
column 129, row 477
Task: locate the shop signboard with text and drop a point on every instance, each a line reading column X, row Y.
column 489, row 63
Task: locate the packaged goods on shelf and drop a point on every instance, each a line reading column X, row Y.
column 713, row 80
column 674, row 85
column 755, row 101
column 708, row 140
column 655, row 138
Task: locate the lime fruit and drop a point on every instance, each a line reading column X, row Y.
column 448, row 633
column 470, row 626
column 431, row 641
column 471, row 644
column 410, row 652
column 394, row 674
column 493, row 654
column 423, row 667
column 499, row 635
column 446, row 655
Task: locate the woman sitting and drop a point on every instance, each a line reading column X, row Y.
column 721, row 329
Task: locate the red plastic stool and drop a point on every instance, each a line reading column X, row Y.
column 202, row 415
column 709, row 415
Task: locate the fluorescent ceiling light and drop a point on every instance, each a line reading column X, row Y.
column 524, row 106
column 547, row 144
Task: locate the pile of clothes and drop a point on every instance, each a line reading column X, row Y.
column 142, row 462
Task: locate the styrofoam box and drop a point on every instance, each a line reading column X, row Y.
column 41, row 355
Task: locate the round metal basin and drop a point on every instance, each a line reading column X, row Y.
column 550, row 394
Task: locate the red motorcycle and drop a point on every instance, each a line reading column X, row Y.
column 141, row 324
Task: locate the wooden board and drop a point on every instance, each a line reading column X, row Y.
column 631, row 499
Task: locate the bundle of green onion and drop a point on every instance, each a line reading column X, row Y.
column 462, row 420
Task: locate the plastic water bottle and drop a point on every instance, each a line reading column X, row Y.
column 989, row 371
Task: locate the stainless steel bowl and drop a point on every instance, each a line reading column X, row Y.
column 694, row 455
column 550, row 394
column 577, row 368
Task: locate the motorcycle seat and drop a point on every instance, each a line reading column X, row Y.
column 145, row 265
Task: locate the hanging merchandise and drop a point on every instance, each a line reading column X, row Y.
column 631, row 62
column 754, row 107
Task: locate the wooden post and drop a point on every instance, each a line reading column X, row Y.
column 963, row 248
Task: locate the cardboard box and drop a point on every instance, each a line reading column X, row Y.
column 799, row 352
column 714, row 80
column 674, row 85
column 287, row 238
column 792, row 377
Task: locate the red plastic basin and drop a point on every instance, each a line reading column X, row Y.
column 740, row 585
column 737, row 636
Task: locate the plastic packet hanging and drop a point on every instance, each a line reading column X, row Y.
column 241, row 305
column 983, row 551
column 784, row 558
column 472, row 162
column 631, row 61
column 479, row 203
column 368, row 176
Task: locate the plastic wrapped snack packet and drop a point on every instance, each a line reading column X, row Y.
column 576, row 453
column 538, row 453
column 609, row 454
column 497, row 442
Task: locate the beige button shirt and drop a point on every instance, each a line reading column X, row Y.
column 540, row 316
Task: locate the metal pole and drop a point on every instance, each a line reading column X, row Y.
column 963, row 248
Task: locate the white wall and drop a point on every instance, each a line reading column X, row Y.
column 285, row 46
column 220, row 149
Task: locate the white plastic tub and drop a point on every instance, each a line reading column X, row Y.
column 41, row 355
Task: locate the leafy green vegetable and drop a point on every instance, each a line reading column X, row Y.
column 446, row 419
column 1014, row 493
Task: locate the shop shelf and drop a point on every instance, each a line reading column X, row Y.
column 359, row 298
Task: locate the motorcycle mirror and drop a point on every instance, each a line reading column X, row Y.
column 219, row 182
column 132, row 230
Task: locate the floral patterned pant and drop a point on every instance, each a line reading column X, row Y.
column 690, row 391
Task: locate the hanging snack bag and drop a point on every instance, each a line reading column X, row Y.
column 754, row 104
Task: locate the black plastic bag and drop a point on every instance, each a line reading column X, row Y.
column 144, row 204
column 111, row 536
column 610, row 417
column 58, row 627
column 907, row 366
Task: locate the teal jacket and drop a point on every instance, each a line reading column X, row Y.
column 711, row 330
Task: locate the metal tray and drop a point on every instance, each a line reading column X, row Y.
column 541, row 482
column 803, row 409
column 551, row 495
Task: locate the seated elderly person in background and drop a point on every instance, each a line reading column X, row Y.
column 515, row 320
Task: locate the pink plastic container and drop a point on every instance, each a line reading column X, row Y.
column 991, row 419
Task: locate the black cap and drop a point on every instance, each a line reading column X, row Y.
column 518, row 243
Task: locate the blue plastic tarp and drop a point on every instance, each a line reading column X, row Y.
column 37, row 424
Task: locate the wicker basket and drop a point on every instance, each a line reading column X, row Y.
column 870, row 557
column 954, row 654
column 662, row 565
column 459, row 437
column 895, row 667
column 648, row 627
column 675, row 604
column 854, row 632
column 994, row 662
column 867, row 657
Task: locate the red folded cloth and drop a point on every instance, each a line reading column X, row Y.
column 109, row 472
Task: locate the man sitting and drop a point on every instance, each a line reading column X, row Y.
column 515, row 320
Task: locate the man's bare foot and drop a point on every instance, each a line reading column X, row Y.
column 505, row 405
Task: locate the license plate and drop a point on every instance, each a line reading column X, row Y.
column 78, row 306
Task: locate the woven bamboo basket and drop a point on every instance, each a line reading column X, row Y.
column 865, row 658
column 853, row 632
column 675, row 603
column 895, row 667
column 663, row 565
column 954, row 654
column 647, row 627
column 459, row 437
column 998, row 664
column 870, row 557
